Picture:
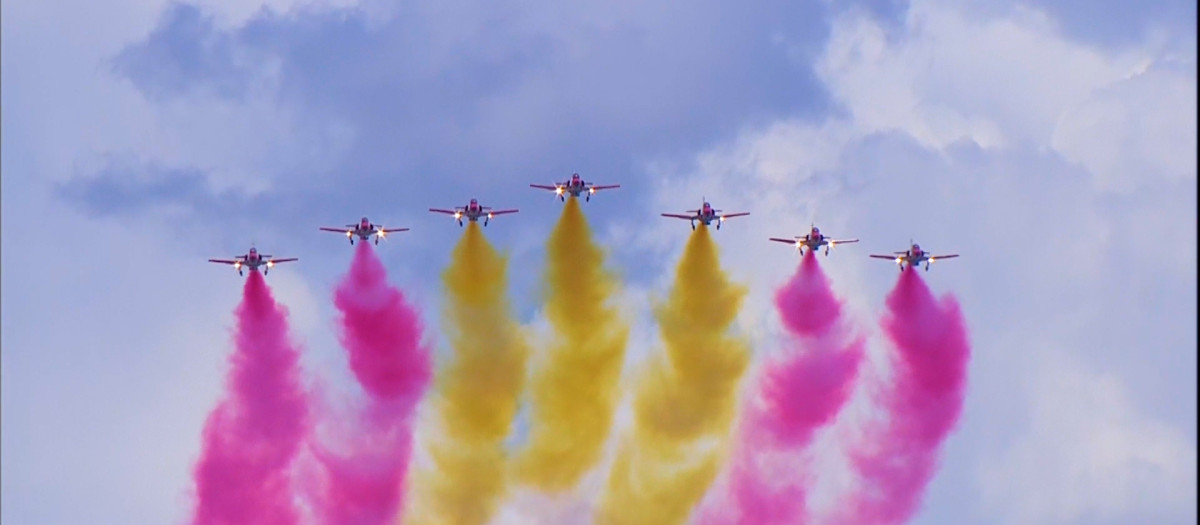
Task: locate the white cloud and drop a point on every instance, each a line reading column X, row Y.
column 75, row 110
column 948, row 76
column 1089, row 456
column 1137, row 130
column 234, row 13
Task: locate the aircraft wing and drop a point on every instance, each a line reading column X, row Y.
column 544, row 187
column 339, row 230
column 607, row 187
column 888, row 257
column 789, row 241
column 223, row 261
column 439, row 210
column 731, row 215
column 502, row 212
column 288, row 259
column 679, row 216
column 951, row 256
column 393, row 230
column 842, row 241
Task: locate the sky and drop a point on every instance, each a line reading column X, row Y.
column 1052, row 144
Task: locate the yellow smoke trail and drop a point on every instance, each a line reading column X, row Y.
column 685, row 402
column 575, row 394
column 476, row 394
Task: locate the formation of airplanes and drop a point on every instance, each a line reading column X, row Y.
column 575, row 187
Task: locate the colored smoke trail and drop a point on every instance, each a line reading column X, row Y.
column 797, row 394
column 895, row 459
column 253, row 435
column 574, row 396
column 477, row 392
column 382, row 334
column 684, row 404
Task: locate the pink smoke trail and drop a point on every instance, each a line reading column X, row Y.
column 796, row 395
column 895, row 458
column 382, row 333
column 252, row 436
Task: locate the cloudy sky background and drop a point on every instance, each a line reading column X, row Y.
column 1054, row 146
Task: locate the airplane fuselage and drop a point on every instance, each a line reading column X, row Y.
column 252, row 263
column 575, row 188
column 914, row 258
column 812, row 243
column 707, row 216
column 473, row 212
column 364, row 232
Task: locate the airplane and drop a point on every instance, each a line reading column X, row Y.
column 575, row 186
column 252, row 260
column 364, row 230
column 706, row 214
column 472, row 211
column 914, row 257
column 814, row 240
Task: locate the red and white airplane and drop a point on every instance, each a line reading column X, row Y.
column 814, row 240
column 252, row 261
column 575, row 187
column 706, row 214
column 914, row 257
column 472, row 211
column 364, row 230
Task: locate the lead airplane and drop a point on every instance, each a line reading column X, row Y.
column 814, row 240
column 472, row 211
column 253, row 260
column 364, row 230
column 575, row 186
column 706, row 214
column 914, row 256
